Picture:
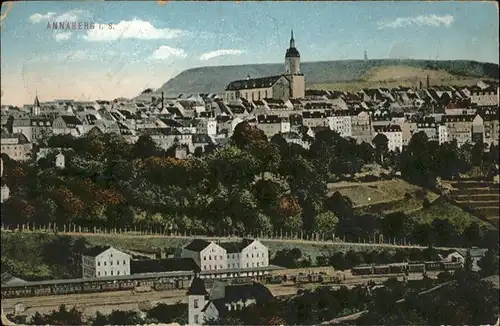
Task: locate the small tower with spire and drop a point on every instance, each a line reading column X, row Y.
column 366, row 56
column 36, row 106
column 292, row 70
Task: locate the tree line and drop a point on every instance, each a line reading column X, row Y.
column 250, row 184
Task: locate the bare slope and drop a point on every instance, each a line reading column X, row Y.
column 215, row 79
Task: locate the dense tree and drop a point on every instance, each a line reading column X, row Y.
column 489, row 263
column 381, row 142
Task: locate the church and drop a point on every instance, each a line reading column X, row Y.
column 289, row 85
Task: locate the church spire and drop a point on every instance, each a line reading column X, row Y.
column 37, row 102
column 292, row 41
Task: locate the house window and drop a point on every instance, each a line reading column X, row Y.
column 257, row 255
column 117, row 262
column 215, row 257
column 266, row 94
column 98, row 263
column 104, row 263
column 209, row 257
column 220, row 266
column 248, row 265
column 196, row 302
column 124, row 263
column 247, row 255
column 252, row 255
column 204, row 257
column 111, row 273
column 98, row 273
column 105, row 273
column 111, row 263
column 257, row 264
column 220, row 257
column 204, row 266
column 197, row 319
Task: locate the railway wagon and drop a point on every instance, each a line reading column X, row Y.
column 67, row 288
column 41, row 291
column 302, row 279
column 274, row 280
column 381, row 269
column 103, row 284
column 362, row 270
column 164, row 286
column 398, row 268
column 416, row 268
column 433, row 266
column 329, row 279
column 446, row 266
column 127, row 284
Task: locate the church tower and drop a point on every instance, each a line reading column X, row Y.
column 36, row 107
column 197, row 295
column 292, row 71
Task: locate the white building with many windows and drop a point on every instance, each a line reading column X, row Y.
column 207, row 255
column 247, row 253
column 394, row 136
column 105, row 261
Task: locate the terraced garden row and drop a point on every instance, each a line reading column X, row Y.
column 482, row 198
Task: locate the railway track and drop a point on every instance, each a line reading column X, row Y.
column 116, row 300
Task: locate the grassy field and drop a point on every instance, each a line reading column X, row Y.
column 395, row 76
column 454, row 214
column 371, row 193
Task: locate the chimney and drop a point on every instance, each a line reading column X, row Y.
column 420, row 82
column 162, row 101
column 428, row 83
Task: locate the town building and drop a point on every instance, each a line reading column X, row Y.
column 361, row 127
column 16, row 146
column 207, row 255
column 247, row 253
column 60, row 161
column 222, row 300
column 227, row 256
column 341, row 122
column 488, row 96
column 105, row 261
column 272, row 125
column 459, row 128
column 394, row 136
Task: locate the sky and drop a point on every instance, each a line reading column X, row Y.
column 150, row 42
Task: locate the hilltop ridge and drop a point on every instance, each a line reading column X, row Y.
column 325, row 74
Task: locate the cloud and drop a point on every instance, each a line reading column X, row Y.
column 37, row 18
column 63, row 36
column 132, row 29
column 69, row 16
column 428, row 20
column 165, row 52
column 76, row 55
column 218, row 53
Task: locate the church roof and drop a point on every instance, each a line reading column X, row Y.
column 253, row 83
column 197, row 287
column 292, row 53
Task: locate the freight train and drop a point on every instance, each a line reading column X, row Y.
column 134, row 283
column 400, row 268
column 315, row 278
